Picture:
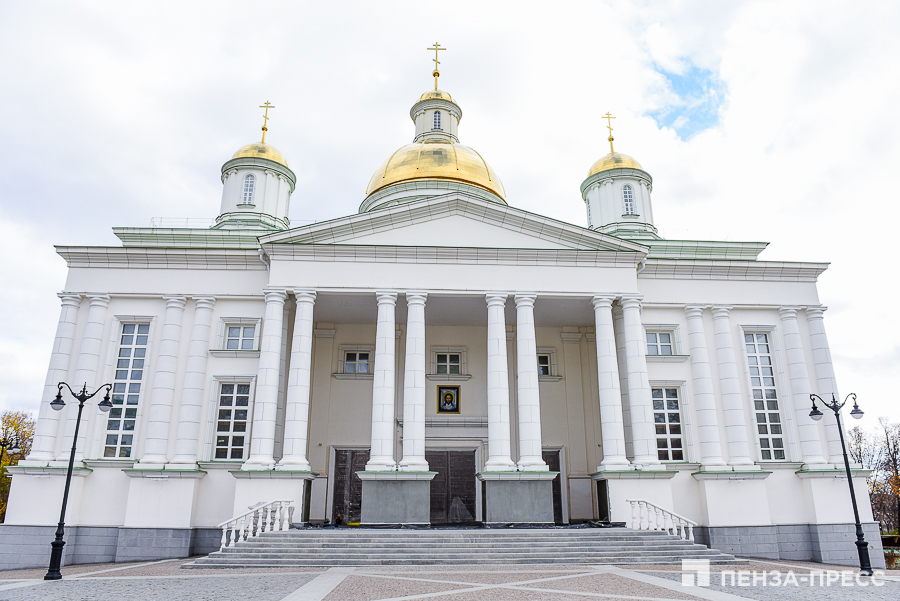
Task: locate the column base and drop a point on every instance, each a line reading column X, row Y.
column 396, row 498
column 160, row 498
column 517, row 497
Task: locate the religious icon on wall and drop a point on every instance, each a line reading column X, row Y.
column 448, row 399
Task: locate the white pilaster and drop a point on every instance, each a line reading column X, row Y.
column 498, row 387
column 85, row 373
column 810, row 443
column 730, row 388
column 612, row 426
column 296, row 420
column 187, row 438
column 639, row 400
column 159, row 415
column 826, row 384
column 265, row 407
column 704, row 394
column 381, row 457
column 43, row 447
column 529, row 399
column 414, row 386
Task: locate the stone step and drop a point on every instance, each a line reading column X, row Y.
column 265, row 548
column 392, row 561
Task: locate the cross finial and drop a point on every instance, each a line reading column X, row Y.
column 608, row 118
column 437, row 72
column 266, row 106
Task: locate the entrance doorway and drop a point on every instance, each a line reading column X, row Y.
column 347, row 500
column 551, row 458
column 453, row 488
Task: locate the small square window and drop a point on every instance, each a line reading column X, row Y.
column 238, row 337
column 660, row 343
column 356, row 363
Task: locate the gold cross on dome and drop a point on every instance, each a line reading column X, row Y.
column 609, row 118
column 437, row 72
column 266, row 106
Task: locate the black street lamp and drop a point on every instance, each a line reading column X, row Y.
column 7, row 441
column 865, row 566
column 57, row 404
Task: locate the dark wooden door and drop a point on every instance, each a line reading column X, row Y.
column 453, row 488
column 347, row 499
column 551, row 458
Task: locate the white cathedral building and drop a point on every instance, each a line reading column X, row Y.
column 439, row 357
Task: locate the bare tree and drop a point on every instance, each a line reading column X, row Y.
column 890, row 464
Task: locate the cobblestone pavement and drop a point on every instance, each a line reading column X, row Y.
column 166, row 581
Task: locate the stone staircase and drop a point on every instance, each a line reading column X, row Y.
column 377, row 547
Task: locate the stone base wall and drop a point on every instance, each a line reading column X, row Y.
column 825, row 543
column 29, row 546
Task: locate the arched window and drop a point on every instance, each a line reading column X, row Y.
column 628, row 197
column 249, row 183
column 437, row 120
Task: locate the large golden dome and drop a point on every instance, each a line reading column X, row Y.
column 614, row 160
column 261, row 151
column 436, row 160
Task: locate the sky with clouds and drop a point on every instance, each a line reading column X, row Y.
column 770, row 121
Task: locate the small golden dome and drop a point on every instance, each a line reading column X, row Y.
column 435, row 94
column 614, row 160
column 436, row 160
column 261, row 151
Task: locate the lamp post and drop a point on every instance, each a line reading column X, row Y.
column 862, row 547
column 57, row 404
column 7, row 441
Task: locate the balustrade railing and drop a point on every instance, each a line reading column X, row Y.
column 649, row 516
column 273, row 516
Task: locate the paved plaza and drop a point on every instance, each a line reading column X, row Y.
column 167, row 581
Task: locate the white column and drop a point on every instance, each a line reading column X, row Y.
column 85, row 373
column 826, row 383
column 159, row 415
column 43, row 447
column 498, row 387
column 529, row 397
column 643, row 434
column 414, row 386
column 704, row 394
column 265, row 407
column 187, row 438
column 730, row 387
column 810, row 443
column 381, row 457
column 612, row 426
column 296, row 419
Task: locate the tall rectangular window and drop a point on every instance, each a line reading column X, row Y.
column 231, row 425
column 130, row 364
column 667, row 420
column 765, row 396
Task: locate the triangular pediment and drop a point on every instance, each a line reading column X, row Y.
column 453, row 220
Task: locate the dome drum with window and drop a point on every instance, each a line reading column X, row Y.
column 616, row 194
column 257, row 188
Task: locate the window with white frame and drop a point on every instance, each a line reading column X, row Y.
column 448, row 363
column 130, row 363
column 660, row 343
column 544, row 364
column 249, row 185
column 437, row 120
column 240, row 337
column 357, row 362
column 231, row 422
column 628, row 199
column 667, row 420
column 765, row 396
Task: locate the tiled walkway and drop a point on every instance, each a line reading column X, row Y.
column 166, row 581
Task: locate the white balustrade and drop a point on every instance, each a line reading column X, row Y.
column 649, row 516
column 274, row 516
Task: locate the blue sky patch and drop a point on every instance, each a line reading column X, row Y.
column 699, row 94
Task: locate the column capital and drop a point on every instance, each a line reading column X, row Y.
column 631, row 301
column 175, row 302
column 275, row 295
column 99, row 300
column 789, row 311
column 603, row 301
column 496, row 299
column 525, row 300
column 324, row 333
column 816, row 311
column 416, row 297
column 69, row 299
column 693, row 311
column 205, row 302
column 721, row 311
column 386, row 298
column 304, row 295
column 570, row 337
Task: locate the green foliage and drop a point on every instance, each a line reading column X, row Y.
column 13, row 424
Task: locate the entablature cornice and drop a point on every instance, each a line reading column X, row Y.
column 160, row 258
column 700, row 269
